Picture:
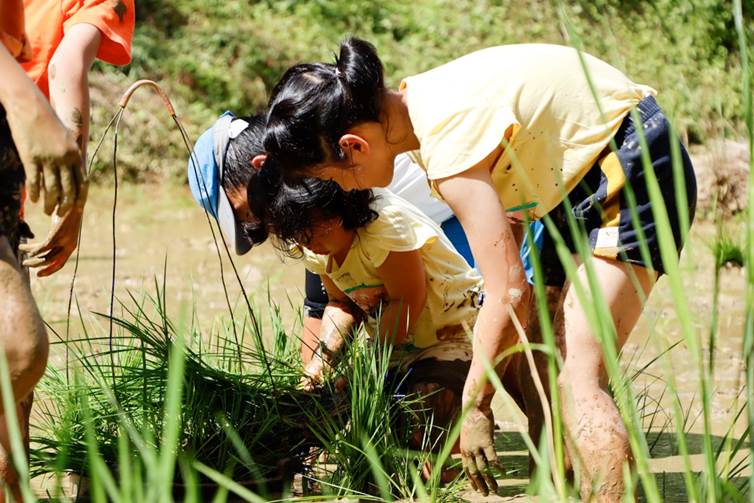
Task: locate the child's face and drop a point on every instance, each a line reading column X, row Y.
column 368, row 163
column 355, row 176
column 329, row 237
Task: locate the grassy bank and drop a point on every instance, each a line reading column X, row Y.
column 216, row 55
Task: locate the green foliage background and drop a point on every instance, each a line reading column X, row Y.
column 213, row 55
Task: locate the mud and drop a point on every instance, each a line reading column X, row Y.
column 722, row 170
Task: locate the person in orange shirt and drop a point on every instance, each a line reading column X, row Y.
column 34, row 145
column 66, row 36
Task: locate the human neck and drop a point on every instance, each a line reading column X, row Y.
column 399, row 130
column 340, row 255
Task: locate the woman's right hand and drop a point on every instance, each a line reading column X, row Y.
column 48, row 151
column 478, row 449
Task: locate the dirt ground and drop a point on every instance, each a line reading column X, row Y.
column 159, row 224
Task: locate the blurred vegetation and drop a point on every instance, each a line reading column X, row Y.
column 213, row 55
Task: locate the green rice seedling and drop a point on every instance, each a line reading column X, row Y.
column 265, row 415
column 727, row 250
column 180, row 420
column 748, row 345
column 365, row 438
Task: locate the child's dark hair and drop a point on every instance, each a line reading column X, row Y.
column 291, row 211
column 313, row 105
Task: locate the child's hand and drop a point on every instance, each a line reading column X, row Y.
column 313, row 374
column 49, row 153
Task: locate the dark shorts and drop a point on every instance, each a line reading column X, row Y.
column 601, row 208
column 315, row 299
column 12, row 178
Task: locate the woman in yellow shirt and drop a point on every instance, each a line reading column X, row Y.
column 507, row 128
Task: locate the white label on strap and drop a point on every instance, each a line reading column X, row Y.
column 607, row 237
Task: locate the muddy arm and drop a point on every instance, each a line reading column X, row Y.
column 404, row 278
column 338, row 321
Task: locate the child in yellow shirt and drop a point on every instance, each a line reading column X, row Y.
column 385, row 262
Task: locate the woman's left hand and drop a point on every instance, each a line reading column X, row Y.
column 478, row 449
column 51, row 254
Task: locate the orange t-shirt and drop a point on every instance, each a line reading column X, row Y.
column 12, row 33
column 48, row 20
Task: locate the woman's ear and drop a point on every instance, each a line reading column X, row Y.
column 354, row 143
column 258, row 160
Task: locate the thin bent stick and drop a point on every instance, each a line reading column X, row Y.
column 168, row 105
column 112, row 284
column 540, row 392
column 78, row 252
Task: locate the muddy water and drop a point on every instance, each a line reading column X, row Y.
column 155, row 224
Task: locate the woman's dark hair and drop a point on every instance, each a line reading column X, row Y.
column 241, row 150
column 313, row 105
column 291, row 211
column 238, row 171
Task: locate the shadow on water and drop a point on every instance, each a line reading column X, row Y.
column 665, row 444
column 511, row 450
column 673, row 489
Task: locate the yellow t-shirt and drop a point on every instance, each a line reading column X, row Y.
column 539, row 94
column 453, row 287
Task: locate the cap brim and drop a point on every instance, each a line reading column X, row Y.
column 231, row 229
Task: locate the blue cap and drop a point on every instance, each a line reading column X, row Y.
column 205, row 173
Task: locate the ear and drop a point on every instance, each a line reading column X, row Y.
column 350, row 141
column 258, row 160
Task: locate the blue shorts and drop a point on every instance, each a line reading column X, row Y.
column 600, row 207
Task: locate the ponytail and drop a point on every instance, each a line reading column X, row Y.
column 361, row 70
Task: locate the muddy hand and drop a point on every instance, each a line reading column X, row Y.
column 313, row 374
column 52, row 254
column 478, row 450
column 49, row 153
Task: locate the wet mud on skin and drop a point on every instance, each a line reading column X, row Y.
column 155, row 222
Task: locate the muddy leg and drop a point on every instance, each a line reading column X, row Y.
column 598, row 439
column 23, row 338
column 439, row 383
column 7, row 470
column 532, row 401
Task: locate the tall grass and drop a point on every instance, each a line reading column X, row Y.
column 168, row 412
column 748, row 344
